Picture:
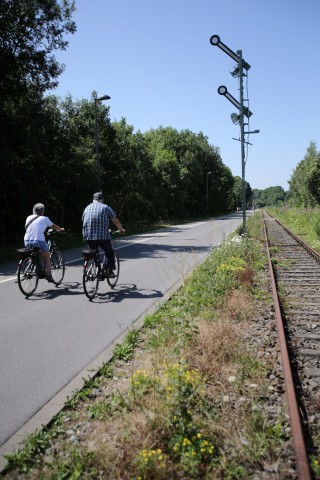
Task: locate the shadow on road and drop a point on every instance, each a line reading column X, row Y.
column 123, row 292
column 52, row 292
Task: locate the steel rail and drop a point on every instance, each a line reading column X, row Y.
column 300, row 451
column 301, row 242
column 312, row 252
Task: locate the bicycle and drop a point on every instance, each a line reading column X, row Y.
column 93, row 270
column 30, row 269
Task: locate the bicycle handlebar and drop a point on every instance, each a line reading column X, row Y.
column 51, row 231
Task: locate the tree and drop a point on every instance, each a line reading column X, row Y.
column 30, row 31
column 238, row 194
column 303, row 188
column 128, row 174
column 271, row 196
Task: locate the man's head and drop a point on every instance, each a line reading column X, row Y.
column 98, row 197
column 38, row 209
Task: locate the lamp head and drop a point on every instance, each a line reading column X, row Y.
column 104, row 97
column 215, row 40
column 235, row 118
column 222, row 90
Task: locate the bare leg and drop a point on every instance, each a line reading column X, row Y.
column 46, row 259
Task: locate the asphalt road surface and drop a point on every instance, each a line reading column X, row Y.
column 46, row 340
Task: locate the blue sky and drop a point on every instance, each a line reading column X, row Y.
column 155, row 60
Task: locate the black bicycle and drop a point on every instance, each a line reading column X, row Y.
column 30, row 268
column 93, row 271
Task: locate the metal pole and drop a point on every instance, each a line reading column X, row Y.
column 208, row 173
column 242, row 142
column 97, row 148
column 207, row 193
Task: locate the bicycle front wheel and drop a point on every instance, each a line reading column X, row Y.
column 57, row 266
column 114, row 279
column 90, row 278
column 27, row 276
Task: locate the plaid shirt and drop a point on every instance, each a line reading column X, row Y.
column 96, row 221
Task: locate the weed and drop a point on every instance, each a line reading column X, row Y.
column 249, row 366
column 315, row 465
column 75, row 466
column 86, row 392
column 23, row 460
column 261, row 438
column 104, row 408
column 124, row 351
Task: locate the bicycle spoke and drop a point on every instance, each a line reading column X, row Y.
column 57, row 266
column 90, row 278
column 27, row 276
column 114, row 280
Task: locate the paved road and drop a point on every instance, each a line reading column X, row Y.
column 46, row 340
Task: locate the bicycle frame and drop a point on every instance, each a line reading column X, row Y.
column 30, row 268
column 93, row 272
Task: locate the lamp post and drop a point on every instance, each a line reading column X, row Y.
column 208, row 173
column 104, row 97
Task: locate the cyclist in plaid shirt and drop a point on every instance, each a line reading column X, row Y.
column 95, row 228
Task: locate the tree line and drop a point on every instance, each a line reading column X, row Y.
column 48, row 147
column 304, row 185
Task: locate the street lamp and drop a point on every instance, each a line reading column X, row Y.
column 208, row 173
column 104, row 97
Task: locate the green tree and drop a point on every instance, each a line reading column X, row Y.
column 303, row 177
column 30, row 32
column 238, row 194
column 271, row 196
column 129, row 175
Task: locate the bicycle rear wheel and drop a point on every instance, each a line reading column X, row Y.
column 57, row 266
column 114, row 279
column 27, row 276
column 90, row 278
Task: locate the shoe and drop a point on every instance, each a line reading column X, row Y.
column 41, row 273
column 101, row 277
column 111, row 273
column 49, row 278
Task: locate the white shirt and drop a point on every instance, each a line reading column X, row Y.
column 36, row 229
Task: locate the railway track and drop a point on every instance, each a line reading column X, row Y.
column 296, row 287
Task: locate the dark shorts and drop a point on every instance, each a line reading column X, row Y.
column 107, row 248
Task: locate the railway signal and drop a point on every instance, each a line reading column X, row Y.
column 243, row 111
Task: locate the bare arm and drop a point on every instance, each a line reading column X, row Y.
column 117, row 223
column 56, row 227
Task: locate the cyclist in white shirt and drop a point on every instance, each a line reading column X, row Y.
column 36, row 224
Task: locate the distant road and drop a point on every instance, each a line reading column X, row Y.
column 48, row 339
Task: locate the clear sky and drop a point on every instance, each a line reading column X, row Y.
column 155, row 60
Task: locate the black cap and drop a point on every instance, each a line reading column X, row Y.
column 98, row 196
